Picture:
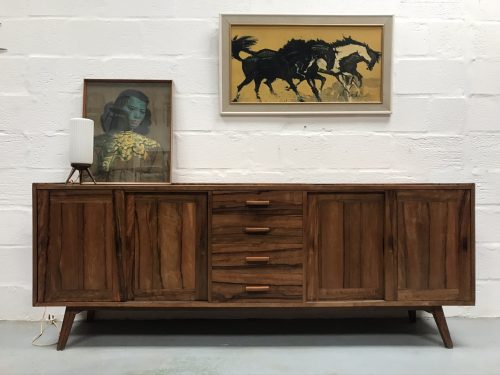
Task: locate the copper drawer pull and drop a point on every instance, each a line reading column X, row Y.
column 257, row 230
column 257, row 259
column 257, row 288
column 257, row 203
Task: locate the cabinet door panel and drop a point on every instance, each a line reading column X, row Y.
column 77, row 256
column 433, row 240
column 345, row 243
column 169, row 247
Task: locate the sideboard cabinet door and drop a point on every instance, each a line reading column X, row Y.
column 345, row 246
column 76, row 247
column 167, row 247
column 435, row 259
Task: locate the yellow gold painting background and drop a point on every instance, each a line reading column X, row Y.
column 276, row 36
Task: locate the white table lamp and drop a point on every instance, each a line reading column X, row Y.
column 81, row 147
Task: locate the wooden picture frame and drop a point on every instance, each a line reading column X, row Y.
column 276, row 64
column 132, row 129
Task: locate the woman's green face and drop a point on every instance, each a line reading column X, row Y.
column 136, row 110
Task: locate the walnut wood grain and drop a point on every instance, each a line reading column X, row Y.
column 440, row 320
column 276, row 275
column 390, row 249
column 347, row 245
column 255, row 188
column 273, row 257
column 40, row 248
column 78, row 248
column 257, row 245
column 119, row 261
column 433, row 236
column 69, row 317
column 222, row 222
column 405, row 246
column 230, row 293
column 276, row 202
column 169, row 243
column 195, row 304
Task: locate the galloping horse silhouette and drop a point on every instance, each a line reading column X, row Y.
column 296, row 59
column 350, row 52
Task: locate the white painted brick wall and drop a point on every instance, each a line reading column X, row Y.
column 445, row 125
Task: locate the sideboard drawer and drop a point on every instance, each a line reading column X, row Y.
column 257, row 283
column 277, row 257
column 282, row 202
column 252, row 229
column 227, row 292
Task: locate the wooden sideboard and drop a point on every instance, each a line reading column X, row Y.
column 286, row 246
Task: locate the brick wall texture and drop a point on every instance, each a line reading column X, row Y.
column 445, row 124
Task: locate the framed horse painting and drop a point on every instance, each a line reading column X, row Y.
column 305, row 65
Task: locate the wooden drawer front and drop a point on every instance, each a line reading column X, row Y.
column 257, row 283
column 276, row 257
column 277, row 202
column 255, row 228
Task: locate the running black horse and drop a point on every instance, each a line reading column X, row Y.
column 296, row 59
column 350, row 53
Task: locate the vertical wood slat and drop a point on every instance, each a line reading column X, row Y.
column 372, row 243
column 209, row 205
column 132, row 244
column 352, row 245
column 40, row 251
column 402, row 250
column 451, row 266
column 69, row 254
column 466, row 247
column 170, row 245
column 188, row 256
column 390, row 243
column 313, row 274
column 201, row 235
column 415, row 258
column 156, row 246
column 437, row 244
column 119, row 258
column 94, row 247
column 145, row 238
column 331, row 245
column 110, row 269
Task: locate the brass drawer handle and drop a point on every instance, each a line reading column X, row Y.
column 257, row 230
column 257, row 259
column 257, row 288
column 257, row 203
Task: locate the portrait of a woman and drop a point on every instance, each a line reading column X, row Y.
column 124, row 148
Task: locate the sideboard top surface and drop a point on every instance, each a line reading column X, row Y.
column 246, row 186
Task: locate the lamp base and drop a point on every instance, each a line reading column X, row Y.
column 80, row 168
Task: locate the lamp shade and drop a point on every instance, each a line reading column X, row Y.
column 81, row 141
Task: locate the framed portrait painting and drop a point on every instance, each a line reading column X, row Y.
column 132, row 129
column 305, row 65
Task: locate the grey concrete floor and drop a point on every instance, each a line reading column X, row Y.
column 293, row 347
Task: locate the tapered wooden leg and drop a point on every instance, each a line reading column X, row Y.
column 69, row 317
column 440, row 320
column 90, row 315
column 412, row 316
